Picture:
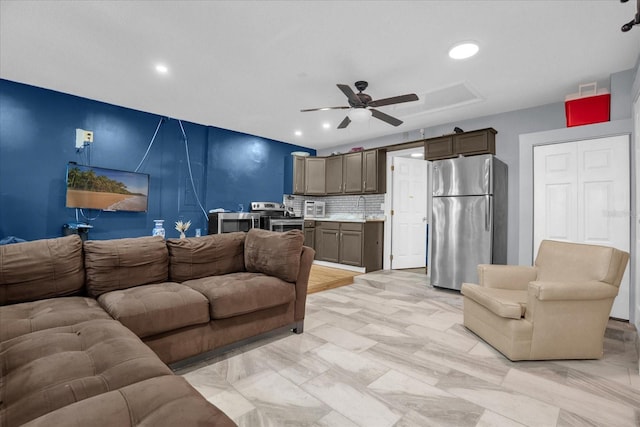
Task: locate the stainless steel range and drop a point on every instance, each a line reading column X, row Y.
column 275, row 217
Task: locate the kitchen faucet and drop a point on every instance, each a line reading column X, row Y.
column 364, row 202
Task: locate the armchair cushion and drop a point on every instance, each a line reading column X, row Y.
column 506, row 303
column 515, row 277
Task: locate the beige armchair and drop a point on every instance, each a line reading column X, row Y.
column 557, row 309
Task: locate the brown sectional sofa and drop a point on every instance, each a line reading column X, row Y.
column 75, row 318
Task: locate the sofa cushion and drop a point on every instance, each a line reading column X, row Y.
column 21, row 319
column 240, row 293
column 46, row 370
column 503, row 302
column 211, row 255
column 163, row 401
column 41, row 269
column 152, row 309
column 274, row 254
column 124, row 263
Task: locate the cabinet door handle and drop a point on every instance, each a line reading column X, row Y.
column 364, row 184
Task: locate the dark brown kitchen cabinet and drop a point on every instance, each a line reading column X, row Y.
column 352, row 172
column 328, row 241
column 439, row 148
column 333, row 174
column 477, row 142
column 309, row 233
column 314, row 175
column 481, row 141
column 350, row 243
column 373, row 171
column 298, row 174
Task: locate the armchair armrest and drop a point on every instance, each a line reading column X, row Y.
column 571, row 291
column 514, row 277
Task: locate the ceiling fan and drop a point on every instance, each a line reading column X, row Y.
column 361, row 102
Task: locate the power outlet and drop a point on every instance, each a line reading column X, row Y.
column 83, row 137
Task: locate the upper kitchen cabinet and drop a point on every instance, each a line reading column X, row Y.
column 352, row 172
column 294, row 174
column 373, row 171
column 298, row 175
column 333, row 174
column 314, row 175
column 481, row 141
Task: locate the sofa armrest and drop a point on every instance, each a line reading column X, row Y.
column 571, row 291
column 306, row 259
column 514, row 277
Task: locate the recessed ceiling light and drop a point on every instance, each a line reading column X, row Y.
column 326, row 125
column 417, row 155
column 298, row 133
column 162, row 69
column 463, row 50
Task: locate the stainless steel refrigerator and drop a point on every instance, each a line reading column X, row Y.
column 469, row 219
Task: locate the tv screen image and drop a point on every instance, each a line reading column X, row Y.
column 90, row 187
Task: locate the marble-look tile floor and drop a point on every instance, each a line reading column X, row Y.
column 390, row 350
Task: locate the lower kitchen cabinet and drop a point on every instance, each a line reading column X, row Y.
column 350, row 243
column 328, row 241
column 310, row 234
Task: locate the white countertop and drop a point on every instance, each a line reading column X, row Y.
column 350, row 218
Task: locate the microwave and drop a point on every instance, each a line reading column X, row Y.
column 314, row 209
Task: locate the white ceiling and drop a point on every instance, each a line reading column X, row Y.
column 251, row 66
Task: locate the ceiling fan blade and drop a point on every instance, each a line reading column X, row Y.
column 324, row 108
column 353, row 98
column 344, row 123
column 393, row 100
column 385, row 117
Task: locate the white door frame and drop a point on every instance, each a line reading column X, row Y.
column 525, row 203
column 388, row 197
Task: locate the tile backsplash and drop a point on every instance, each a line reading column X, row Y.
column 336, row 205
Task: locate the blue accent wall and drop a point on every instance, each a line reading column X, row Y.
column 37, row 140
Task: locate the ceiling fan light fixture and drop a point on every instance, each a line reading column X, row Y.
column 464, row 50
column 359, row 114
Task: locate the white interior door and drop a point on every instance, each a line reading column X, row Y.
column 581, row 194
column 409, row 213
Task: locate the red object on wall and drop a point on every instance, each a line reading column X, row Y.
column 587, row 110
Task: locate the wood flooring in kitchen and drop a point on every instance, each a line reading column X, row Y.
column 390, row 350
column 324, row 278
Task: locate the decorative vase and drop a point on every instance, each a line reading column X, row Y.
column 158, row 230
column 182, row 236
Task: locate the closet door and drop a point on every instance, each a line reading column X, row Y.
column 582, row 194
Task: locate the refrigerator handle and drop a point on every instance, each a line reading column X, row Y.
column 487, row 214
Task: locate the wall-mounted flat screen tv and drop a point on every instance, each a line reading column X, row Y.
column 90, row 187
